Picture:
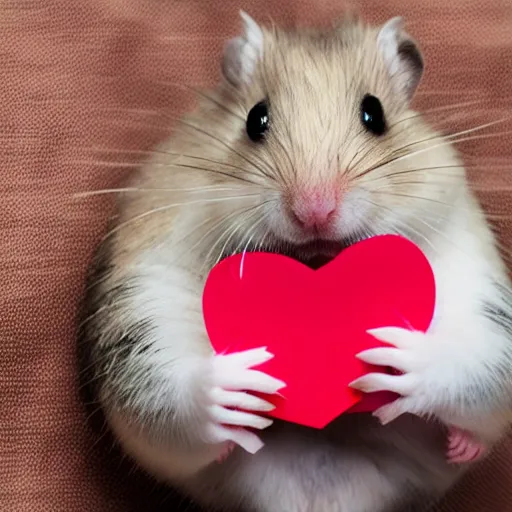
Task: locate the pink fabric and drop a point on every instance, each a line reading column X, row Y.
column 78, row 75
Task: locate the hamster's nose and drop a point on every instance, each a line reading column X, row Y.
column 314, row 210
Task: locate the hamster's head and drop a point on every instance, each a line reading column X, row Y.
column 327, row 136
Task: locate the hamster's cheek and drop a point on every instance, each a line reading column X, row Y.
column 358, row 214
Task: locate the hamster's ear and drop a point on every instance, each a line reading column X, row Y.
column 402, row 57
column 243, row 52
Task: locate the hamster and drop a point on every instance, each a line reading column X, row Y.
column 307, row 145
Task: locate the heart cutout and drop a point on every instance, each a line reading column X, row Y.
column 315, row 321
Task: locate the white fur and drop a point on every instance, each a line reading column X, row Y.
column 242, row 53
column 387, row 41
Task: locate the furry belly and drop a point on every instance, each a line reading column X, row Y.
column 354, row 465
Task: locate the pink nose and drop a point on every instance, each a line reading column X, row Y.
column 314, row 210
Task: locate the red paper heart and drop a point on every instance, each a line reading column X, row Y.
column 314, row 322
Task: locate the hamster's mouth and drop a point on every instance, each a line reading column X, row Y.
column 314, row 254
column 317, row 253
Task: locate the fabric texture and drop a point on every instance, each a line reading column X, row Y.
column 85, row 85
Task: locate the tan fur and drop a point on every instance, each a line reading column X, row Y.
column 210, row 191
column 315, row 122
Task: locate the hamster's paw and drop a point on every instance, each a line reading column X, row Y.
column 232, row 409
column 417, row 358
column 463, row 447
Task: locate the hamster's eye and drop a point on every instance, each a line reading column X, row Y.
column 257, row 121
column 372, row 115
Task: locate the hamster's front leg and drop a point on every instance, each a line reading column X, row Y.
column 455, row 373
column 232, row 377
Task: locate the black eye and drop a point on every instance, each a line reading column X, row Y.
column 257, row 121
column 372, row 115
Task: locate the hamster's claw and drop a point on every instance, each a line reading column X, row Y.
column 219, row 434
column 414, row 359
column 389, row 412
column 240, row 400
column 233, row 372
column 374, row 382
column 225, row 416
column 232, row 408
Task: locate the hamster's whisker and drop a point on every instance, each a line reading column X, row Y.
column 371, row 145
column 442, row 108
column 396, row 155
column 445, row 142
column 218, row 223
column 456, row 135
column 440, row 233
column 413, row 196
column 479, row 128
column 447, row 139
column 407, row 177
column 260, row 169
column 264, row 172
column 444, row 179
column 474, row 186
column 231, row 231
column 435, row 216
column 393, row 184
column 416, row 170
column 489, row 215
column 166, row 153
column 405, row 226
column 255, row 213
column 129, row 190
column 375, row 143
column 219, row 172
column 137, row 165
column 167, row 207
column 251, row 233
column 354, row 161
column 256, row 224
column 482, row 136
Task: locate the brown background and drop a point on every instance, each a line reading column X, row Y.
column 77, row 76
